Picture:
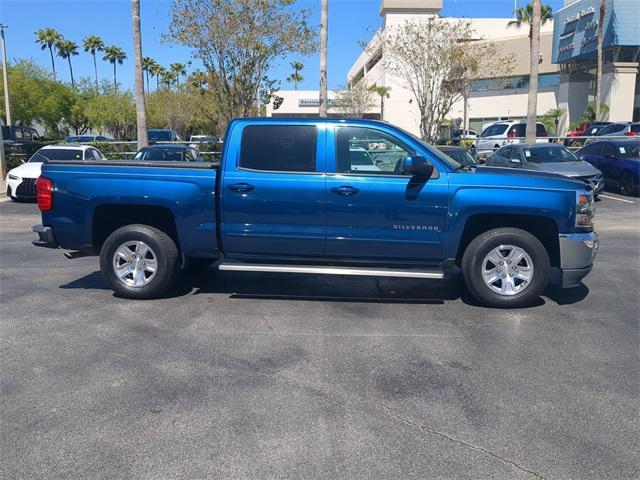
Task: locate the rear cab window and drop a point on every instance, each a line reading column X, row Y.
column 279, row 148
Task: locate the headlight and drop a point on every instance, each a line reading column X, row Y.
column 13, row 177
column 584, row 209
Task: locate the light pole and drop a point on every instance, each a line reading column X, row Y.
column 3, row 160
column 5, row 77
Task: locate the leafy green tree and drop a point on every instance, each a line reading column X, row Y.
column 296, row 77
column 66, row 50
column 93, row 44
column 114, row 55
column 114, row 113
column 239, row 40
column 49, row 38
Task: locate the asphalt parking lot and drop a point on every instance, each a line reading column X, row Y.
column 285, row 376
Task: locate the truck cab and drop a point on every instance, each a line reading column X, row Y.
column 290, row 195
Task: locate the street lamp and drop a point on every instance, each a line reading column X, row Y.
column 7, row 106
column 3, row 160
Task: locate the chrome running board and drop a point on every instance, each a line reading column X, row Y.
column 330, row 270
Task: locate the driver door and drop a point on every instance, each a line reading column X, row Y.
column 381, row 214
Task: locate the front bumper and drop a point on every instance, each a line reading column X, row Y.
column 577, row 253
column 45, row 237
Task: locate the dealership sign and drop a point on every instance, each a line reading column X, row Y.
column 578, row 15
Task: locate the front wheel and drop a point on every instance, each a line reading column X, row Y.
column 139, row 261
column 506, row 268
column 627, row 185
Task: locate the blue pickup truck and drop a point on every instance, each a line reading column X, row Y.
column 293, row 195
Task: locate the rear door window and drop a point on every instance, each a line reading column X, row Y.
column 279, row 148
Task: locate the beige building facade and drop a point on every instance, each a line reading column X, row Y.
column 491, row 99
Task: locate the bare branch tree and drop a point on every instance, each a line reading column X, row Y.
column 355, row 101
column 426, row 55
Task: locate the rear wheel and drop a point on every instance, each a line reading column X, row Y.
column 627, row 185
column 139, row 261
column 506, row 267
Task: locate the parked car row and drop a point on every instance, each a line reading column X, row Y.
column 601, row 129
column 603, row 163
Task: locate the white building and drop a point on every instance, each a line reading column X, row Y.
column 490, row 100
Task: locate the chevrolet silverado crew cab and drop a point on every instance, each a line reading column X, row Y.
column 290, row 195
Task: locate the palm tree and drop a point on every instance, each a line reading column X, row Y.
column 114, row 55
column 178, row 69
column 383, row 92
column 147, row 63
column 323, row 58
column 598, row 99
column 198, row 79
column 67, row 49
column 141, row 115
column 525, row 15
column 535, row 15
column 93, row 44
column 168, row 78
column 48, row 38
column 296, row 76
column 156, row 70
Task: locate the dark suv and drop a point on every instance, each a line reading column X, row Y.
column 19, row 133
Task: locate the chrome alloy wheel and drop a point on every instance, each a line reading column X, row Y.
column 507, row 270
column 135, row 263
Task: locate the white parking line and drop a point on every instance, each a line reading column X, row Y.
column 616, row 198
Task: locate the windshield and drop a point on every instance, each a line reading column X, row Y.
column 463, row 157
column 548, row 155
column 160, row 154
column 56, row 154
column 630, row 150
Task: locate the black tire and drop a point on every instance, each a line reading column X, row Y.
column 480, row 247
column 627, row 185
column 166, row 255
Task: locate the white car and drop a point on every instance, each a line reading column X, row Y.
column 21, row 181
column 196, row 140
column 499, row 134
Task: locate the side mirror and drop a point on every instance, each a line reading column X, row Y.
column 417, row 166
column 610, row 156
column 514, row 160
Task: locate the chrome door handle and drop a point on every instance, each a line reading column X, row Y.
column 345, row 190
column 241, row 187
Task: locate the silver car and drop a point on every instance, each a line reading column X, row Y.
column 548, row 157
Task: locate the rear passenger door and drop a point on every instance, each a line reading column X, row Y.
column 273, row 191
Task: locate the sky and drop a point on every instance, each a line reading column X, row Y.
column 350, row 21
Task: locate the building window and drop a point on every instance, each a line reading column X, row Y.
column 545, row 80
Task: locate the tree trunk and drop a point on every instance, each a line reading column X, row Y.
column 141, row 115
column 95, row 69
column 323, row 59
column 73, row 84
column 532, row 104
column 381, row 107
column 465, row 113
column 53, row 64
column 115, row 82
column 598, row 99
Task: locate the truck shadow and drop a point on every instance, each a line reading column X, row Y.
column 325, row 288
